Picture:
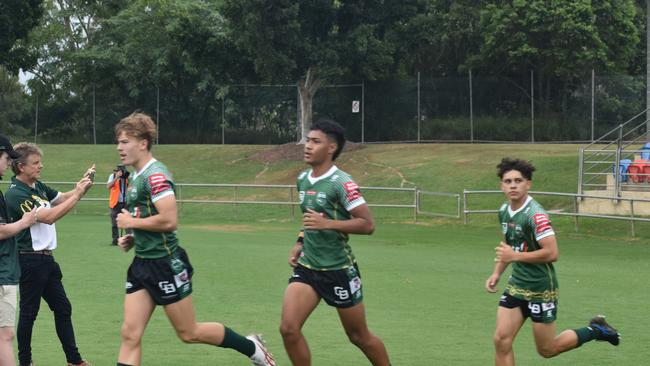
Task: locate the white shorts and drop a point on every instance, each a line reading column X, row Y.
column 8, row 298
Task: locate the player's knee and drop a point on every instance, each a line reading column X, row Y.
column 546, row 352
column 289, row 331
column 63, row 310
column 359, row 339
column 502, row 342
column 6, row 334
column 187, row 335
column 130, row 334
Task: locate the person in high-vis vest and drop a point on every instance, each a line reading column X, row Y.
column 116, row 184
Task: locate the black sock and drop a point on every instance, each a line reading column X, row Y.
column 237, row 342
column 122, row 364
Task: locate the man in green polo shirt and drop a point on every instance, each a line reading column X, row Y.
column 40, row 274
column 9, row 268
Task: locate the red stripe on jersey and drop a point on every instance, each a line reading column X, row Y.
column 352, row 190
column 542, row 223
column 158, row 183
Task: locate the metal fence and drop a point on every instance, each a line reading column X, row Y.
column 446, row 205
column 632, row 218
column 473, row 108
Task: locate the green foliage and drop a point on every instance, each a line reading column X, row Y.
column 13, row 106
column 17, row 18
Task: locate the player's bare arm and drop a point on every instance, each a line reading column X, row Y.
column 165, row 221
column 547, row 254
column 61, row 207
column 493, row 280
column 9, row 230
column 360, row 223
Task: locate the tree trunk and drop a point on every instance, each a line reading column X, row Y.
column 307, row 88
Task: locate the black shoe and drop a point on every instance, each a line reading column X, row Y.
column 603, row 331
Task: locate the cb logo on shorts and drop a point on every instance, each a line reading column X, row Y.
column 167, row 287
column 342, row 293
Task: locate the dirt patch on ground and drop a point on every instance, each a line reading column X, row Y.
column 291, row 152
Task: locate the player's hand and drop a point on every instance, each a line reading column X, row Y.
column 28, row 219
column 491, row 283
column 124, row 219
column 294, row 254
column 504, row 253
column 125, row 242
column 314, row 220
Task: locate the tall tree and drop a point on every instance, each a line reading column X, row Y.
column 560, row 40
column 17, row 18
column 313, row 42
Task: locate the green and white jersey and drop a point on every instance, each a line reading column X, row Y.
column 9, row 267
column 523, row 229
column 333, row 194
column 22, row 198
column 146, row 187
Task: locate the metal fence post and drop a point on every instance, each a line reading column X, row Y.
column 532, row 106
column 617, row 163
column 632, row 217
column 593, row 102
column 415, row 204
column 575, row 210
column 363, row 111
column 419, row 117
column 465, row 206
column 293, row 207
column 471, row 108
column 223, row 120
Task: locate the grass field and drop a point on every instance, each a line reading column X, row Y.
column 423, row 282
column 424, row 294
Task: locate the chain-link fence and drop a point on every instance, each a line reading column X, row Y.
column 472, row 109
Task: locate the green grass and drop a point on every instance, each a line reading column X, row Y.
column 423, row 283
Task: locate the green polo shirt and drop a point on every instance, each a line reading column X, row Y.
column 9, row 267
column 22, row 198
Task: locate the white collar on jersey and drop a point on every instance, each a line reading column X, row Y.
column 135, row 174
column 513, row 213
column 313, row 180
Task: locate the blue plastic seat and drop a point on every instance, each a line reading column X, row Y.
column 645, row 151
column 623, row 166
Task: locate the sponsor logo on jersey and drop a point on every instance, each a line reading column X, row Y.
column 311, row 193
column 321, row 198
column 158, row 183
column 301, row 196
column 542, row 223
column 352, row 190
column 504, row 227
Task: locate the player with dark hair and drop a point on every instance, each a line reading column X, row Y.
column 532, row 289
column 324, row 266
column 161, row 273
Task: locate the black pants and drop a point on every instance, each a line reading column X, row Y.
column 114, row 211
column 41, row 278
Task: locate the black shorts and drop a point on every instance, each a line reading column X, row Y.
column 167, row 279
column 340, row 288
column 537, row 311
